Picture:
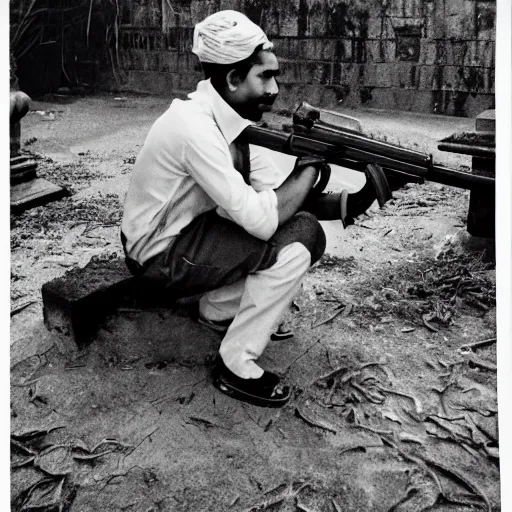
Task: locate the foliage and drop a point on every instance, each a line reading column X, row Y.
column 39, row 22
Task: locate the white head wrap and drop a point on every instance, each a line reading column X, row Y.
column 227, row 37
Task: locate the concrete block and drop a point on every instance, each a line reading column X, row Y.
column 485, row 20
column 405, row 75
column 188, row 81
column 74, row 305
column 35, row 192
column 306, row 72
column 328, row 49
column 469, row 79
column 428, row 52
column 359, row 50
column 291, row 94
column 435, row 27
column 294, row 45
column 396, row 8
column 280, row 47
column 426, row 78
column 344, row 50
column 412, row 24
column 459, row 20
column 169, row 60
column 288, row 72
column 146, row 81
column 352, row 74
column 380, row 50
column 486, row 121
column 150, row 60
column 289, row 20
column 456, row 52
column 429, row 30
column 133, row 59
column 480, row 53
column 380, row 27
column 379, row 75
column 414, row 8
column 269, row 21
column 315, row 49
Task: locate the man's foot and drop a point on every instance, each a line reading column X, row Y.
column 281, row 333
column 375, row 188
column 263, row 392
column 344, row 206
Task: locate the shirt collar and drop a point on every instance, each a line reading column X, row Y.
column 230, row 123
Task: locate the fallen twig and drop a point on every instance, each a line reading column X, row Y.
column 374, row 430
column 110, row 441
column 461, row 478
column 417, row 460
column 174, row 395
column 330, row 318
column 310, row 421
column 301, row 355
column 455, row 435
column 478, row 344
column 329, row 396
column 288, row 492
column 417, row 403
column 142, row 440
column 330, row 374
column 367, row 394
column 336, row 506
column 203, row 421
column 426, row 322
column 17, row 309
column 481, row 363
column 301, row 506
column 91, row 456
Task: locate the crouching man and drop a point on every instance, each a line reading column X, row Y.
column 204, row 219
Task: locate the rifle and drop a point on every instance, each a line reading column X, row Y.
column 348, row 148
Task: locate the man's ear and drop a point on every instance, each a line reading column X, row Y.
column 233, row 80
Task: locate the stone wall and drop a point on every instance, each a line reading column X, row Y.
column 433, row 56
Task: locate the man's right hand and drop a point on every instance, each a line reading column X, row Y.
column 294, row 190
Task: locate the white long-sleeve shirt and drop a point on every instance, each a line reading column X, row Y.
column 185, row 168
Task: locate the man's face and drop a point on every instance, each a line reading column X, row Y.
column 257, row 92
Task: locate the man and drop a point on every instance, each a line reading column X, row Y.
column 205, row 219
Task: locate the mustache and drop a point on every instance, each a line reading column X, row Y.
column 268, row 100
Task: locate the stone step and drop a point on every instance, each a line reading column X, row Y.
column 35, row 192
column 23, row 171
column 76, row 303
column 19, row 159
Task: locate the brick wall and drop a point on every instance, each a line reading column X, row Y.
column 419, row 55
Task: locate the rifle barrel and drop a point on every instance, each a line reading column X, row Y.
column 339, row 137
column 354, row 151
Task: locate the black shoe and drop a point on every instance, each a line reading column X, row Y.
column 345, row 206
column 375, row 188
column 263, row 392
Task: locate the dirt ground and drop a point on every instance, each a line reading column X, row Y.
column 391, row 412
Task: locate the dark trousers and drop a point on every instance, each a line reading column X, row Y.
column 212, row 252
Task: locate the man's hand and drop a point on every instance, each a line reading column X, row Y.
column 294, row 190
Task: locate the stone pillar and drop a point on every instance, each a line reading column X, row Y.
column 19, row 104
column 482, row 205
